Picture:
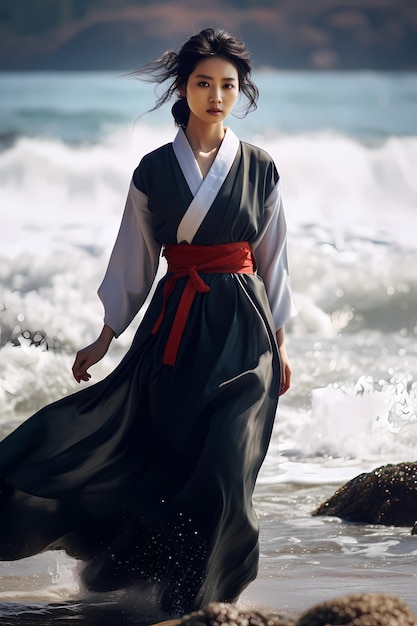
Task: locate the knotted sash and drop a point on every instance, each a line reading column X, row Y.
column 191, row 260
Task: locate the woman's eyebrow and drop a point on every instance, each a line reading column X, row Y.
column 211, row 77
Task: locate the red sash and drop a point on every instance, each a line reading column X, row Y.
column 189, row 260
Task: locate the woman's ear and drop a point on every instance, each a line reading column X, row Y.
column 182, row 91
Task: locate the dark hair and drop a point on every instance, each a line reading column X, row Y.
column 179, row 66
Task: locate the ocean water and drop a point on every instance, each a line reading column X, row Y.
column 346, row 148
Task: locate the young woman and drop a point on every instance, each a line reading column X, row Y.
column 148, row 475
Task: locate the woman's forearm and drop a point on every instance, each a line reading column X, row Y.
column 280, row 335
column 106, row 336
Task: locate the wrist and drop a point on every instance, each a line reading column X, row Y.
column 280, row 337
column 106, row 335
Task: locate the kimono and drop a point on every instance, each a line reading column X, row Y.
column 148, row 475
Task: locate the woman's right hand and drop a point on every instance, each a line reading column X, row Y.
column 92, row 354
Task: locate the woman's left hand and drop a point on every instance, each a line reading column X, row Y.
column 285, row 363
column 285, row 371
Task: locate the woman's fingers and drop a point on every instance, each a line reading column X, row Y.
column 80, row 367
column 285, row 379
column 87, row 357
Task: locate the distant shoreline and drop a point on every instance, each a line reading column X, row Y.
column 282, row 34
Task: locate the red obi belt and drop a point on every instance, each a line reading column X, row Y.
column 189, row 260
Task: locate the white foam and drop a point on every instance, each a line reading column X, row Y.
column 48, row 577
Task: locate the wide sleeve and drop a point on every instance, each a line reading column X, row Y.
column 133, row 264
column 270, row 249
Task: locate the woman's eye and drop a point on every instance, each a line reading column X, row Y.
column 203, row 83
column 228, row 86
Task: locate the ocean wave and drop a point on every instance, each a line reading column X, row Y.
column 368, row 106
column 351, row 247
column 348, row 207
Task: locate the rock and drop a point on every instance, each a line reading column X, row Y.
column 387, row 495
column 222, row 614
column 360, row 609
column 355, row 609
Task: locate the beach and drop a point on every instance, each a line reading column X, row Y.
column 345, row 145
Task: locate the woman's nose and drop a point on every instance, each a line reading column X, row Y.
column 215, row 96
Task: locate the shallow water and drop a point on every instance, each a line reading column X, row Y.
column 303, row 560
column 306, row 560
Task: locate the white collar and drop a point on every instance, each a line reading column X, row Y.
column 205, row 189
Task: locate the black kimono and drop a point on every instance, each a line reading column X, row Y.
column 148, row 475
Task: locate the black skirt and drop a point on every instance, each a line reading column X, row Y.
column 148, row 475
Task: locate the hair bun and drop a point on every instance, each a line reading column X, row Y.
column 181, row 112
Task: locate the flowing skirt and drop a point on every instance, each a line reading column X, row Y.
column 148, row 475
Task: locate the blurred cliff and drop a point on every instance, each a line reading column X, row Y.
column 287, row 34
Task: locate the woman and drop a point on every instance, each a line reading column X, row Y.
column 148, row 475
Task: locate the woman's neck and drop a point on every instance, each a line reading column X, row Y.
column 204, row 138
column 205, row 143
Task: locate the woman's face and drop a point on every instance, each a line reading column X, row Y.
column 212, row 90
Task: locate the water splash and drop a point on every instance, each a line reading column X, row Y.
column 366, row 419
